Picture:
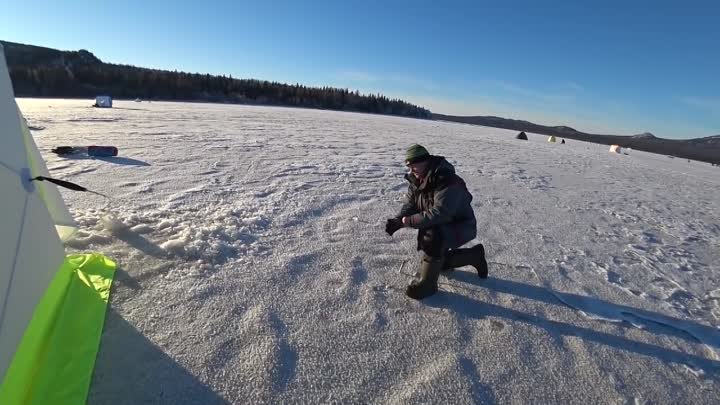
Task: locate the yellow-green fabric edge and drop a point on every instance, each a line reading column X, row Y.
column 55, row 359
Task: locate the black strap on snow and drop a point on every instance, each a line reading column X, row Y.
column 61, row 183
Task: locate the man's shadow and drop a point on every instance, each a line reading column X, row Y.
column 626, row 316
column 650, row 321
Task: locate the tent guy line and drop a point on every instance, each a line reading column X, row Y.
column 67, row 184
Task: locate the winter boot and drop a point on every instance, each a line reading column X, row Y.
column 427, row 285
column 474, row 256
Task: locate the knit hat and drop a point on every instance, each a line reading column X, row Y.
column 416, row 153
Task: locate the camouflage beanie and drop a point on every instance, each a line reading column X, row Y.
column 416, row 153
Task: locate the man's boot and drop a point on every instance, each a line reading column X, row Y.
column 474, row 256
column 427, row 285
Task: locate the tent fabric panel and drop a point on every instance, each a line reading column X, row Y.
column 65, row 224
column 11, row 221
column 55, row 361
column 13, row 203
column 31, row 250
column 20, row 152
column 30, row 269
column 9, row 122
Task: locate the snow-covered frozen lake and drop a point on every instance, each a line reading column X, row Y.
column 254, row 268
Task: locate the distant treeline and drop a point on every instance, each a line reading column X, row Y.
column 45, row 72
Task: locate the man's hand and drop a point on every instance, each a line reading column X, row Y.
column 392, row 225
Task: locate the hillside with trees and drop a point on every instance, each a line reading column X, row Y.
column 44, row 72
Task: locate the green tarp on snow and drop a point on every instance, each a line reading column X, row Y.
column 54, row 362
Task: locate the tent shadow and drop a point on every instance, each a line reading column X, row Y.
column 131, row 370
column 130, row 109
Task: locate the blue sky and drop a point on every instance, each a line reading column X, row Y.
column 622, row 67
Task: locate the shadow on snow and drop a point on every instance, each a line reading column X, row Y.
column 651, row 322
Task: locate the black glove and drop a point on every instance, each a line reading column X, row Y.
column 392, row 225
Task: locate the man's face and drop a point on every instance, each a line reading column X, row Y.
column 418, row 169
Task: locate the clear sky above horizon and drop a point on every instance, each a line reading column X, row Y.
column 616, row 67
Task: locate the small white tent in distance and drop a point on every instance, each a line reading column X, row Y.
column 103, row 102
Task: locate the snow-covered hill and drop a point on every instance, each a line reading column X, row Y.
column 254, row 267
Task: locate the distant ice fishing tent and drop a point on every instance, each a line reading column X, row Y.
column 521, row 135
column 103, row 102
column 551, row 139
column 52, row 306
column 615, row 149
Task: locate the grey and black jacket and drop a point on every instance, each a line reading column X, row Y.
column 440, row 202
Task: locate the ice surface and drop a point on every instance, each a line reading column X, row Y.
column 254, row 267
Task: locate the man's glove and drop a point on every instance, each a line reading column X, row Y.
column 392, row 225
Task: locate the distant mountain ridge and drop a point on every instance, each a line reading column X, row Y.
column 44, row 72
column 705, row 149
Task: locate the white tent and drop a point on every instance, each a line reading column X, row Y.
column 30, row 250
column 615, row 149
column 103, row 101
column 38, row 282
